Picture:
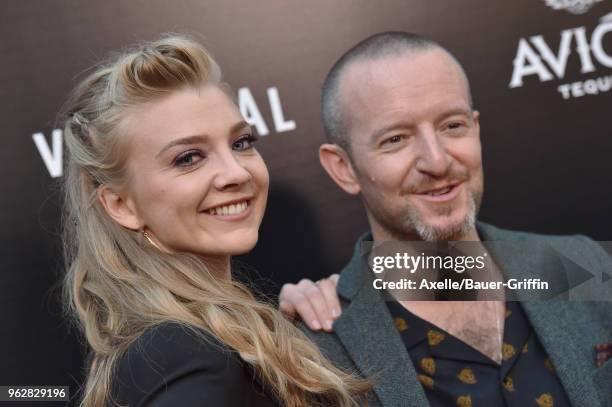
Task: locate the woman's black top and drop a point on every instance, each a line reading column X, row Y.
column 169, row 365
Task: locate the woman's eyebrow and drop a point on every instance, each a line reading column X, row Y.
column 239, row 126
column 199, row 138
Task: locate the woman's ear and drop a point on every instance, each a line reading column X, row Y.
column 121, row 209
column 338, row 165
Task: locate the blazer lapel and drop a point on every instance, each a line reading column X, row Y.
column 369, row 335
column 570, row 350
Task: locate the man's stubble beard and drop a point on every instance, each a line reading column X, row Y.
column 429, row 233
column 413, row 224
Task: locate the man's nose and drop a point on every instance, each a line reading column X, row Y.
column 433, row 158
column 230, row 172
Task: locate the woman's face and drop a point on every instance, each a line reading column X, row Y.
column 195, row 181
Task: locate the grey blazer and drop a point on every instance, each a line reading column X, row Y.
column 366, row 341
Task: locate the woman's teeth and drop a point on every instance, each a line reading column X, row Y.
column 234, row 209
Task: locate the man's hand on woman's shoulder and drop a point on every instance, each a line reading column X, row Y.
column 316, row 303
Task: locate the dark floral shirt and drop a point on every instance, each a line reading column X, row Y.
column 455, row 374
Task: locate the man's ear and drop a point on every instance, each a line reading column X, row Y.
column 476, row 119
column 338, row 165
column 122, row 210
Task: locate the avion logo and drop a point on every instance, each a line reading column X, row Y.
column 534, row 57
column 573, row 6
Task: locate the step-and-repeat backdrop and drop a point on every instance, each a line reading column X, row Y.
column 541, row 75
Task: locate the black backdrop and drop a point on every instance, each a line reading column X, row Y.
column 546, row 134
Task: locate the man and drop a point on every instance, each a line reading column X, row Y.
column 403, row 136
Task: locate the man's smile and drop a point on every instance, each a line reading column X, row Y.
column 444, row 194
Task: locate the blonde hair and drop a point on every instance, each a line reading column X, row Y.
column 118, row 285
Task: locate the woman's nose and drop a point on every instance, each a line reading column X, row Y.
column 231, row 172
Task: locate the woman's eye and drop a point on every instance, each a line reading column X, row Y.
column 244, row 143
column 188, row 159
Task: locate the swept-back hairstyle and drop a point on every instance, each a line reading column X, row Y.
column 118, row 285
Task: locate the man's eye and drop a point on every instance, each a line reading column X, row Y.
column 188, row 159
column 455, row 125
column 393, row 140
column 244, row 142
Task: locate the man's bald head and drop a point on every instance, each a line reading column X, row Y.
column 336, row 121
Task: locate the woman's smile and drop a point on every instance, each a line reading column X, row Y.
column 192, row 152
column 235, row 210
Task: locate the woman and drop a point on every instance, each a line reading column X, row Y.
column 163, row 186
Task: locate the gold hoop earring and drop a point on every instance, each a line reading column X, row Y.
column 148, row 237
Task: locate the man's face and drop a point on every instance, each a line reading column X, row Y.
column 415, row 145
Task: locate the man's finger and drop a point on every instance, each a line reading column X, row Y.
column 328, row 288
column 334, row 278
column 319, row 304
column 292, row 301
column 287, row 309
